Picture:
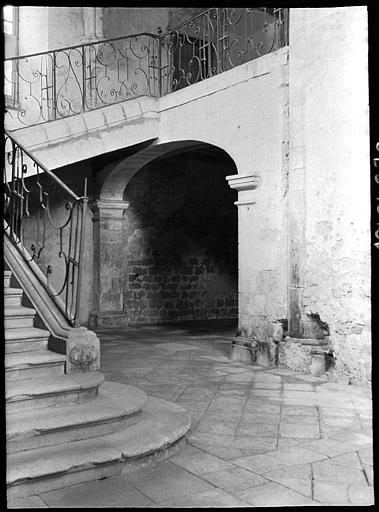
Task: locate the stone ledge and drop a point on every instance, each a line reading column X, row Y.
column 307, row 341
column 105, row 414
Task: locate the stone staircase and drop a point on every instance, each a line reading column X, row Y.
column 64, row 429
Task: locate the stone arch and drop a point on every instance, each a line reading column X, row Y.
column 108, row 213
column 115, row 183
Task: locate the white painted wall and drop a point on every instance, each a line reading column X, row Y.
column 328, row 79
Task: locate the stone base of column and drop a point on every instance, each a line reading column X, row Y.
column 104, row 319
column 254, row 352
column 305, row 355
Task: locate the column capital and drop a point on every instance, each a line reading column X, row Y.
column 243, row 181
column 109, row 209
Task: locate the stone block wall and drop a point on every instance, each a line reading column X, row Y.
column 180, row 243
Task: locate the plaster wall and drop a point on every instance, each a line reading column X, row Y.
column 329, row 175
column 33, row 33
column 45, row 28
column 119, row 21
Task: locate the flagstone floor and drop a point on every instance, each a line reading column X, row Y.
column 259, row 437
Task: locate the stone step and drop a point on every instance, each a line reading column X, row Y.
column 7, row 278
column 116, row 407
column 34, row 365
column 12, row 297
column 160, row 429
column 15, row 317
column 23, row 395
column 25, row 339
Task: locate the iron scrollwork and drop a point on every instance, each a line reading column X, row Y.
column 68, row 81
column 218, row 40
column 61, row 83
column 22, row 202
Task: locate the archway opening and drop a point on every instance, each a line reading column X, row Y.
column 180, row 239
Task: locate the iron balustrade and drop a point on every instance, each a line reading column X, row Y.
column 217, row 40
column 61, row 83
column 23, row 201
column 68, row 81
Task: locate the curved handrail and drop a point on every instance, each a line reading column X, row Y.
column 102, row 41
column 20, row 199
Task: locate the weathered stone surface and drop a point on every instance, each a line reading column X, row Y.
column 273, row 495
column 30, row 502
column 35, row 393
column 167, row 482
column 82, row 351
column 333, row 242
column 105, row 414
column 161, row 424
column 111, row 492
column 332, row 493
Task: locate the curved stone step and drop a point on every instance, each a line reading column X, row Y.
column 34, row 365
column 160, row 428
column 25, row 339
column 18, row 316
column 116, row 407
column 7, row 278
column 12, row 297
column 22, row 395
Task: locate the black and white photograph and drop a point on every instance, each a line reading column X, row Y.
column 191, row 222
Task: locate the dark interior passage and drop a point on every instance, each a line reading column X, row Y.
column 180, row 239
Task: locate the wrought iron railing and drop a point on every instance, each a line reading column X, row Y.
column 61, row 83
column 217, row 40
column 61, row 265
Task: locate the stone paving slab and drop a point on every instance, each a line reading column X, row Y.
column 29, row 502
column 111, row 492
column 259, row 436
column 167, row 481
column 273, row 495
column 215, row 498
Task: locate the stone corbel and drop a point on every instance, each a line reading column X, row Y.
column 243, row 183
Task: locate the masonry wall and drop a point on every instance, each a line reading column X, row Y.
column 180, row 242
column 330, row 174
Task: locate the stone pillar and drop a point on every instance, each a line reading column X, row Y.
column 92, row 24
column 108, row 263
column 257, row 272
column 296, row 234
column 304, row 347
